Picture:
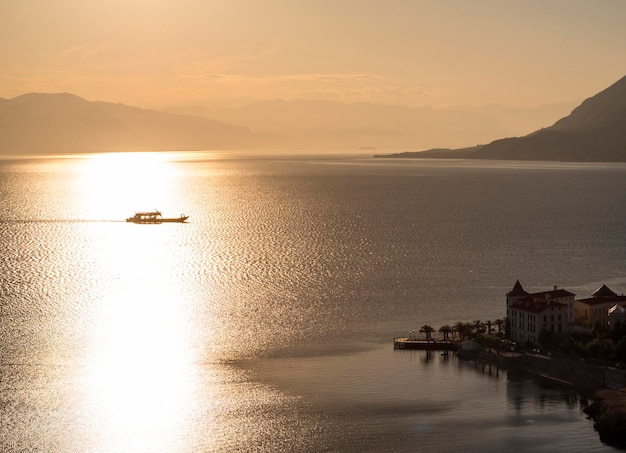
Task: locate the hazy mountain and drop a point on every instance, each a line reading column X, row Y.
column 524, row 120
column 595, row 131
column 64, row 123
column 302, row 123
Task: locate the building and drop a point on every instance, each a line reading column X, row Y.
column 617, row 313
column 594, row 311
column 528, row 313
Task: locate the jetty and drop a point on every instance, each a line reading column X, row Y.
column 414, row 343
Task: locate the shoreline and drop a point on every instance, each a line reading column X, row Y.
column 606, row 385
column 608, row 411
column 585, row 376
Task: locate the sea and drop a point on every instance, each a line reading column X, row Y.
column 266, row 322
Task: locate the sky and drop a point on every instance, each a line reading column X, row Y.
column 439, row 53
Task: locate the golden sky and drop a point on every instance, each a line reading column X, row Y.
column 158, row 53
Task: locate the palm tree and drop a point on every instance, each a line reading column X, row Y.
column 428, row 330
column 469, row 328
column 462, row 328
column 488, row 327
column 477, row 325
column 499, row 324
column 445, row 330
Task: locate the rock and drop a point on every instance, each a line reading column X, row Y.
column 608, row 412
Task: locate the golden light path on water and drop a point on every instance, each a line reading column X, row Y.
column 110, row 182
column 140, row 377
column 142, row 367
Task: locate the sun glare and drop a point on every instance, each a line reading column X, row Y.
column 140, row 374
column 119, row 183
column 140, row 367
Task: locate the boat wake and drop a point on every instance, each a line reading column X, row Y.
column 22, row 221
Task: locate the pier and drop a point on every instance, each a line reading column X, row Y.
column 413, row 343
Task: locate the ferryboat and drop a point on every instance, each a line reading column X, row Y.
column 155, row 217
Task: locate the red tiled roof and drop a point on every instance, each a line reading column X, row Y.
column 535, row 307
column 554, row 294
column 602, row 300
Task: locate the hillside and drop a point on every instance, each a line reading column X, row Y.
column 595, row 131
column 64, row 123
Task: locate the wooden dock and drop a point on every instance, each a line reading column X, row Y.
column 412, row 343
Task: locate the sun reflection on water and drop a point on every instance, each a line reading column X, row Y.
column 158, row 346
column 140, row 375
column 141, row 365
column 110, row 183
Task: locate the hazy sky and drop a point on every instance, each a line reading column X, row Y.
column 414, row 52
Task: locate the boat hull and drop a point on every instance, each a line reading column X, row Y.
column 154, row 218
column 182, row 219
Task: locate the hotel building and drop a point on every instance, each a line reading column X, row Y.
column 528, row 313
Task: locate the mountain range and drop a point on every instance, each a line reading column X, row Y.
column 322, row 124
column 65, row 123
column 595, row 131
column 38, row 123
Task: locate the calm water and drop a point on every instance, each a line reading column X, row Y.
column 265, row 323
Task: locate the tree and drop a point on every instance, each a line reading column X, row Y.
column 463, row 329
column 445, row 330
column 477, row 325
column 545, row 338
column 600, row 348
column 569, row 346
column 427, row 330
column 620, row 350
column 458, row 328
column 499, row 324
column 618, row 331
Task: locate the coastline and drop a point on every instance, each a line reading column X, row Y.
column 413, row 390
column 608, row 411
column 607, row 385
column 585, row 376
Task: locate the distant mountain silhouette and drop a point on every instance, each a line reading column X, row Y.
column 300, row 123
column 64, row 123
column 595, row 131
